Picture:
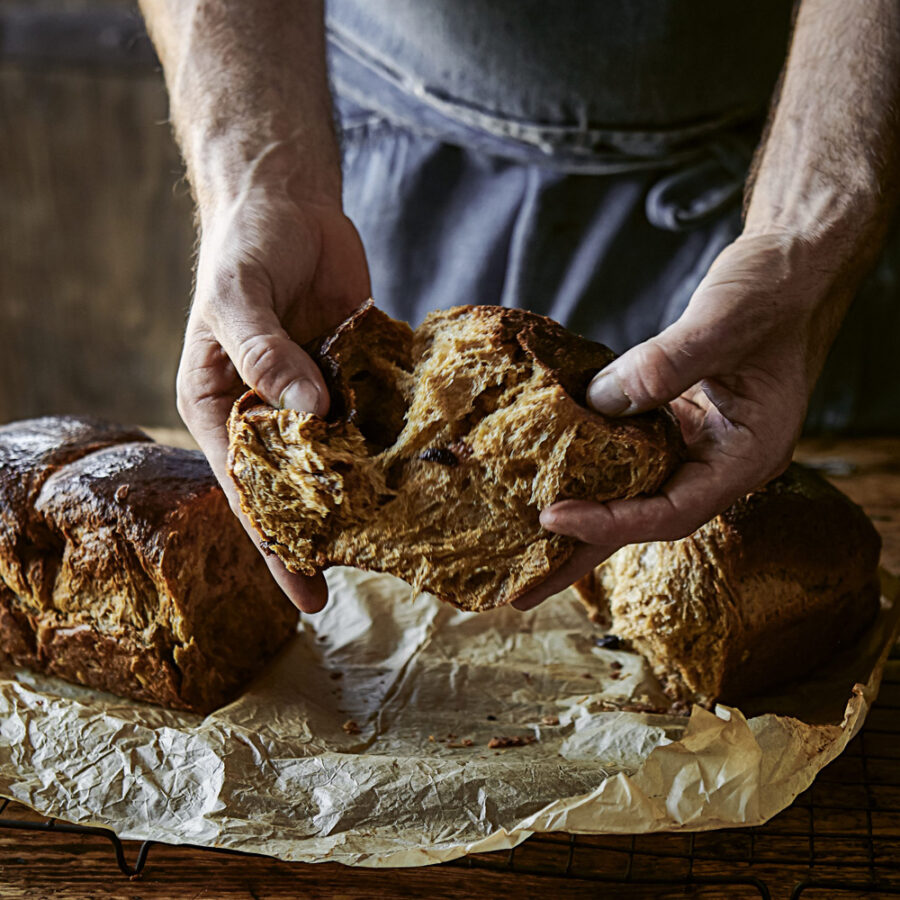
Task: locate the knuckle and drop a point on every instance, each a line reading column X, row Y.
column 188, row 404
column 255, row 354
column 259, row 363
column 185, row 393
column 205, row 380
column 182, row 404
column 653, row 375
column 777, row 467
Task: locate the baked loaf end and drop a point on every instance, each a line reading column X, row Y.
column 440, row 450
column 123, row 568
column 760, row 595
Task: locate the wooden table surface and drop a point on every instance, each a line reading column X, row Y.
column 852, row 813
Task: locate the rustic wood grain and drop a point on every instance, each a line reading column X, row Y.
column 96, row 239
column 868, row 471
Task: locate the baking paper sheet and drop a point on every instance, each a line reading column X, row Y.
column 366, row 740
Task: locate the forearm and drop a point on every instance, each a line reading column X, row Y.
column 827, row 173
column 248, row 88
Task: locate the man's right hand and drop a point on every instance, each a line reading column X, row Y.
column 276, row 269
column 279, row 261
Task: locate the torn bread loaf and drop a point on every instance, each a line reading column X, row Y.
column 123, row 568
column 440, row 450
column 759, row 596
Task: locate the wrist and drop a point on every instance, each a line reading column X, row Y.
column 799, row 265
column 793, row 280
column 227, row 172
column 834, row 235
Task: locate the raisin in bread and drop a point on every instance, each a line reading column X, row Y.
column 123, row 568
column 440, row 450
column 758, row 596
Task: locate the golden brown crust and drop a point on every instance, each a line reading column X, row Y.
column 30, row 452
column 126, row 571
column 440, row 449
column 758, row 596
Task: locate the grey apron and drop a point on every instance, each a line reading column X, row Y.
column 582, row 160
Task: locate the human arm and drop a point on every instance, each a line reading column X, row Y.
column 278, row 261
column 741, row 362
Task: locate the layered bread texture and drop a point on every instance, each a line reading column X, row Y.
column 441, row 447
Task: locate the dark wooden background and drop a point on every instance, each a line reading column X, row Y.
column 96, row 232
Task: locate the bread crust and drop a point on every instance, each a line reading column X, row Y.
column 440, row 449
column 757, row 597
column 30, row 452
column 123, row 568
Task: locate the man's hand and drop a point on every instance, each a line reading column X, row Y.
column 279, row 262
column 274, row 272
column 740, row 363
column 738, row 367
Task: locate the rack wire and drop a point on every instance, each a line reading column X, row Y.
column 841, row 836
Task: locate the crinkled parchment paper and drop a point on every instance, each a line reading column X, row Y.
column 280, row 771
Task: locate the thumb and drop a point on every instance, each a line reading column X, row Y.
column 269, row 361
column 651, row 374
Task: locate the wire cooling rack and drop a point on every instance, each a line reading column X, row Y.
column 841, row 837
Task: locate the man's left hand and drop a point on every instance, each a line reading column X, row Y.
column 738, row 368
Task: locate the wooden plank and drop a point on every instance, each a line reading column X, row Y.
column 868, row 471
column 96, row 239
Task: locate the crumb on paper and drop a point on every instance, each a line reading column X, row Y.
column 464, row 742
column 431, row 738
column 510, row 741
column 550, row 720
column 643, row 705
column 615, row 674
column 350, row 727
column 615, row 665
column 586, row 675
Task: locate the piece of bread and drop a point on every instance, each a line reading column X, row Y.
column 123, row 568
column 759, row 596
column 440, row 450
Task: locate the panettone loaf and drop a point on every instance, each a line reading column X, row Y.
column 440, row 450
column 758, row 596
column 123, row 568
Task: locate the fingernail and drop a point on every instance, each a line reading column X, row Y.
column 547, row 518
column 606, row 395
column 302, row 395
